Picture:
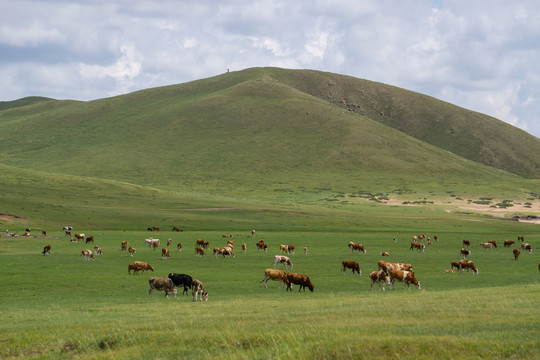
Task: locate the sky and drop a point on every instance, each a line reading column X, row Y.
column 483, row 55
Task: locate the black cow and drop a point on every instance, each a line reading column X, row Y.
column 181, row 279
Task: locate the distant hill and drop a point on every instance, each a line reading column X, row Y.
column 22, row 102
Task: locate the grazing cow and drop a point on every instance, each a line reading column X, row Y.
column 244, row 247
column 464, row 253
column 516, row 252
column 283, row 248
column 403, row 276
column 132, row 251
column 395, row 240
column 161, row 284
column 47, row 250
column 228, row 251
column 143, row 266
column 90, row 239
column 386, row 266
column 231, row 243
column 97, row 251
column 179, row 246
column 181, row 280
column 305, row 251
column 176, row 228
column 379, row 276
column 197, row 289
column 358, row 247
column 68, row 233
column 262, row 245
column 526, row 246
column 217, row 251
column 436, row 238
column 291, row 248
column 493, row 242
column 199, row 242
column 299, row 279
column 87, row 255
column 79, row 236
column 124, row 245
column 508, row 243
column 417, row 245
column 169, row 242
column 487, row 245
column 155, row 228
column 43, row 232
column 384, row 253
column 74, row 240
column 282, row 260
column 133, row 267
column 252, row 232
column 353, row 265
column 276, row 275
column 199, row 251
column 454, row 264
column 520, row 238
column 165, row 253
column 466, row 243
column 428, row 242
column 467, row 264
column 151, row 241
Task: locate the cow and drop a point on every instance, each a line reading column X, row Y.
column 142, row 266
column 179, row 246
column 403, row 276
column 299, row 279
column 217, row 251
column 205, row 245
column 155, row 228
column 228, row 251
column 384, row 253
column 199, row 251
column 466, row 243
column 436, row 238
column 283, row 249
column 282, row 260
column 132, row 251
column 379, row 276
column 124, row 245
column 454, row 264
column 199, row 242
column 177, row 228
column 508, row 243
column 133, row 267
column 276, row 275
column 291, row 248
column 520, row 238
column 244, row 247
column 97, row 251
column 428, row 242
column 358, row 247
column 526, row 246
column 169, row 242
column 262, row 245
column 74, row 240
column 181, row 280
column 417, row 245
column 47, row 250
column 305, row 251
column 467, row 264
column 464, row 253
column 151, row 241
column 79, row 236
column 197, row 289
column 161, row 284
column 252, row 232
column 165, row 253
column 231, row 243
column 516, row 252
column 43, row 232
column 87, row 255
column 386, row 266
column 493, row 242
column 353, row 265
column 486, row 245
column 68, row 233
column 90, row 239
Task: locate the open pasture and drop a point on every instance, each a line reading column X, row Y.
column 63, row 306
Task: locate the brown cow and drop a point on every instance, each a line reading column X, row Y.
column 132, row 251
column 244, row 247
column 520, row 238
column 282, row 260
column 466, row 243
column 291, row 248
column 199, row 251
column 155, row 245
column 47, row 250
column 379, row 276
column 386, row 266
column 384, row 253
column 143, row 266
column 133, row 267
column 162, row 284
column 283, row 248
column 417, row 245
column 97, row 251
column 508, row 243
column 403, row 276
column 87, row 255
column 197, row 289
column 493, row 242
column 353, row 265
column 526, row 246
column 169, row 242
column 354, row 246
column 299, row 279
column 464, row 253
column 467, row 264
column 454, row 264
column 276, row 275
column 179, row 246
column 165, row 253
column 124, row 245
column 90, row 239
column 43, row 232
column 516, row 252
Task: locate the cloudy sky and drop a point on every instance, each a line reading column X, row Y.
column 483, row 55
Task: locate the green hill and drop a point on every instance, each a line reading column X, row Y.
column 263, row 135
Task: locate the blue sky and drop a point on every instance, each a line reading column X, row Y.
column 481, row 55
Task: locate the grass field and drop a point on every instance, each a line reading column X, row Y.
column 60, row 306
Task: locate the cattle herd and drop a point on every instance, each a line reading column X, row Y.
column 387, row 273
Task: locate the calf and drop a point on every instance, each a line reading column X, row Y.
column 353, row 265
column 133, row 267
column 299, row 279
column 132, row 251
column 305, row 251
column 87, row 255
column 197, row 289
column 276, row 275
column 283, row 249
column 404, row 276
column 181, row 280
column 47, row 250
column 379, row 276
column 161, row 284
column 384, row 253
column 165, row 253
column 516, row 252
column 282, row 260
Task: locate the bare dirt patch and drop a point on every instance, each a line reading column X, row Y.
column 11, row 217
